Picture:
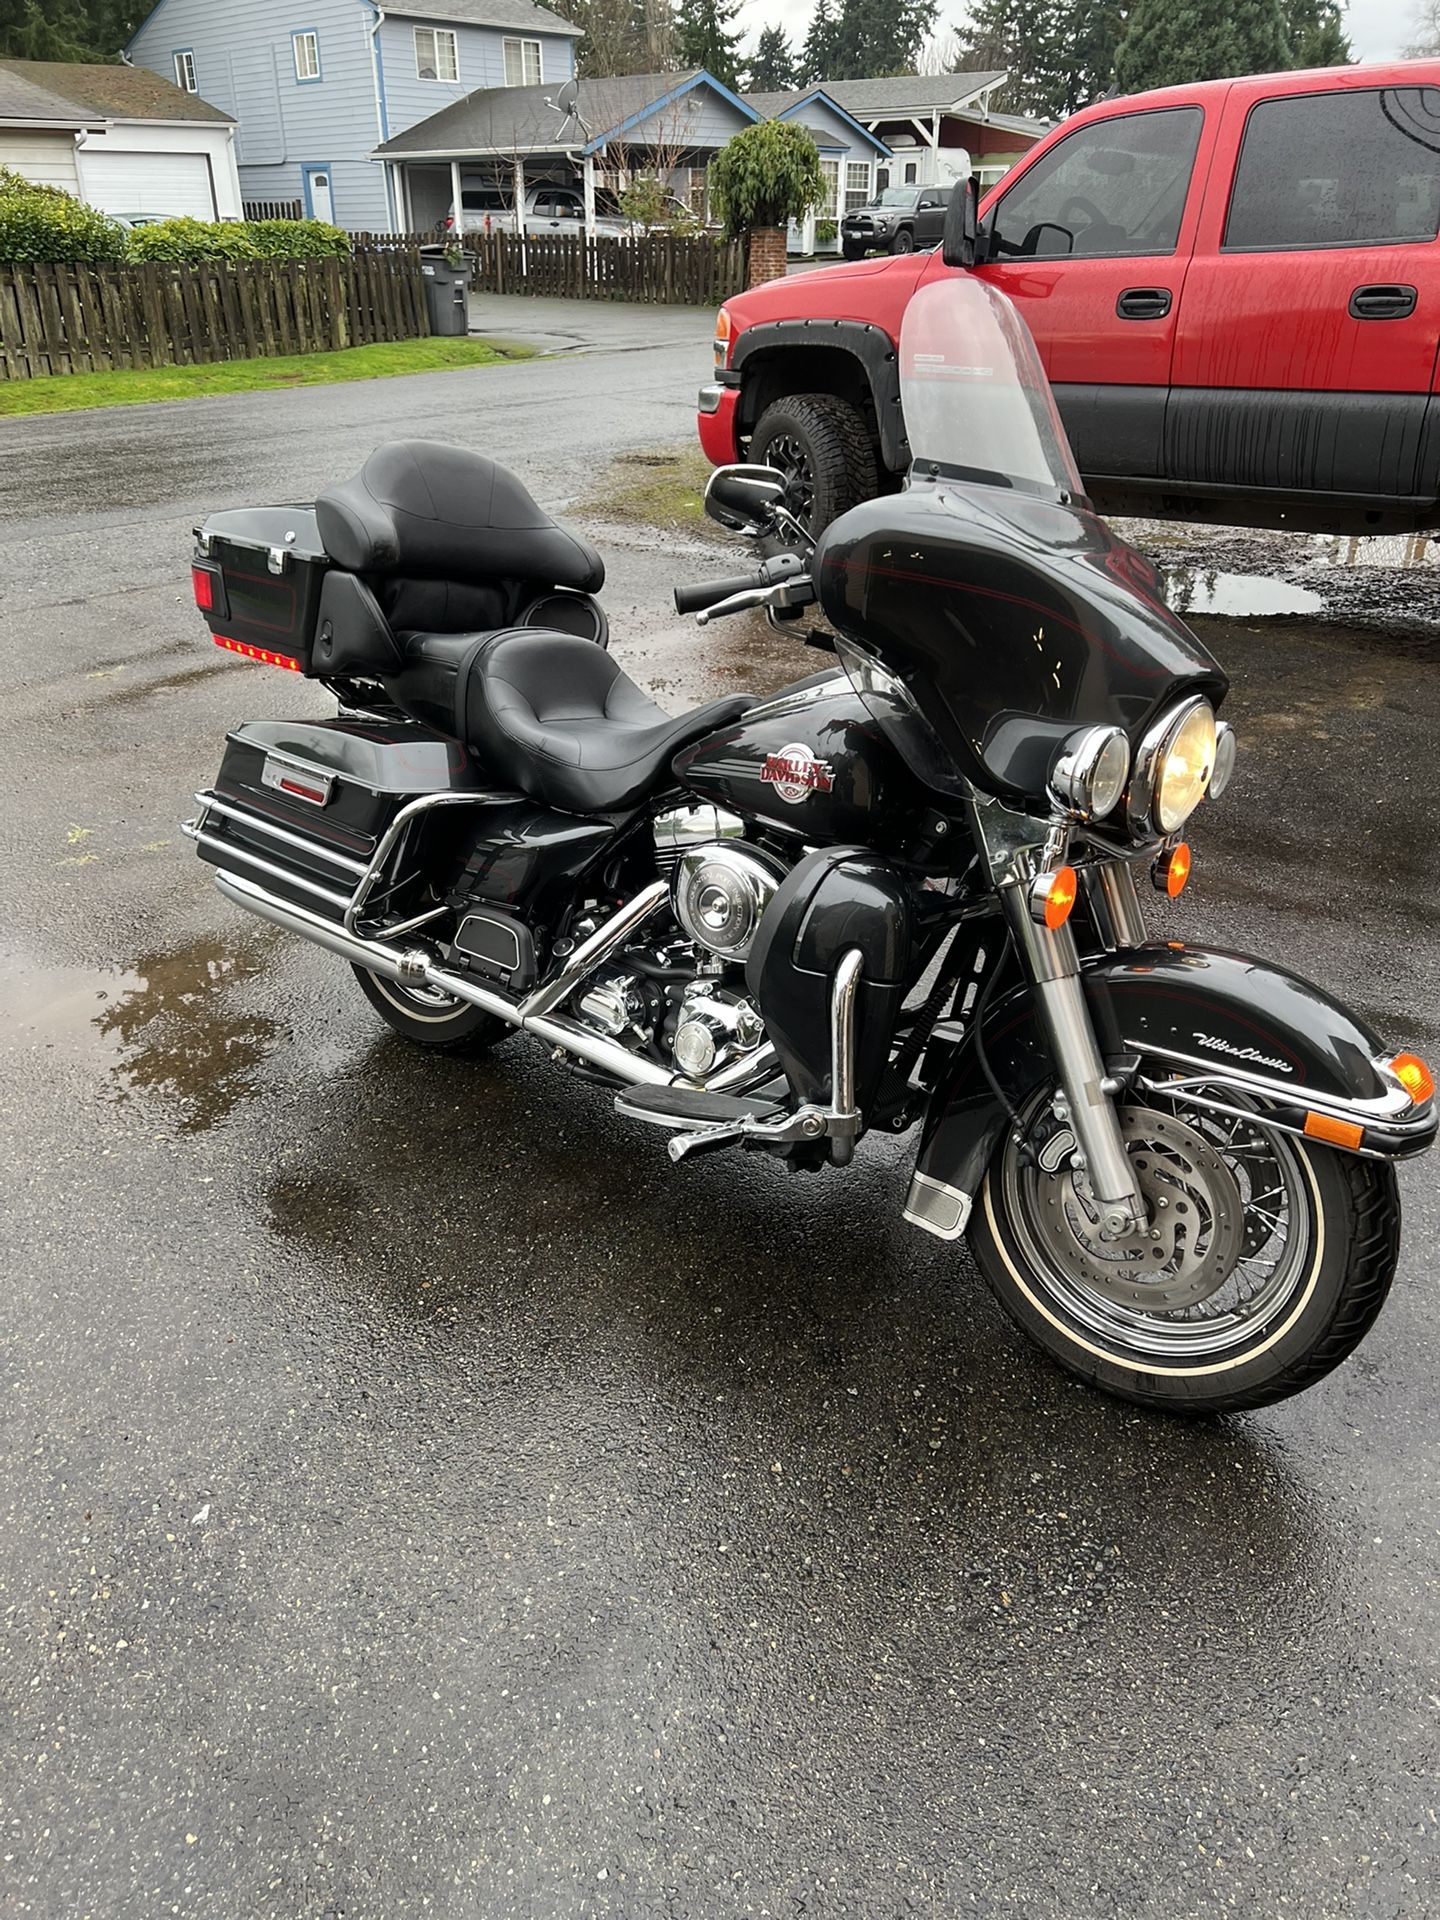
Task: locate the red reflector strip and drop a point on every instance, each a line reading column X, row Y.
column 204, row 582
column 261, row 654
column 302, row 792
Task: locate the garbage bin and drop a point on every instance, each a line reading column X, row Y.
column 447, row 292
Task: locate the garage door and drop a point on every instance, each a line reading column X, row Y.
column 159, row 184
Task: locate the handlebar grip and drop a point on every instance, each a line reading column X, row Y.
column 710, row 593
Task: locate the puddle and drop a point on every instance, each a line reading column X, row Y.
column 179, row 1036
column 1242, row 596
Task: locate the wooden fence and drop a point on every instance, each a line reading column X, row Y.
column 658, row 269
column 273, row 209
column 92, row 319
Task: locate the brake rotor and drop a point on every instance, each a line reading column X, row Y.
column 1196, row 1234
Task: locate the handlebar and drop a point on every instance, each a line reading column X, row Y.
column 709, row 593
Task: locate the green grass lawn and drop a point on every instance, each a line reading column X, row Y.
column 131, row 387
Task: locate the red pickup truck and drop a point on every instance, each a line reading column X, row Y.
column 1235, row 288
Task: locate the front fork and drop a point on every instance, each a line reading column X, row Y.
column 1085, row 1102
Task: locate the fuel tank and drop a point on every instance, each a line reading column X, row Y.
column 811, row 762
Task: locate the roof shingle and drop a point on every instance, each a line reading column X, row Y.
column 71, row 93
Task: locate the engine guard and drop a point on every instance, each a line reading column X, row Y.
column 1221, row 1025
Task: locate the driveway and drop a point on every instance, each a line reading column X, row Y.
column 420, row 1499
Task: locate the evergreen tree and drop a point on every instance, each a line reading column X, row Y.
column 1058, row 54
column 878, row 37
column 772, row 64
column 1317, row 37
column 1169, row 42
column 820, row 56
column 43, row 30
column 706, row 37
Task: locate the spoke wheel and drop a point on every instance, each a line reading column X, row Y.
column 822, row 446
column 1265, row 1261
column 1223, row 1255
column 430, row 1018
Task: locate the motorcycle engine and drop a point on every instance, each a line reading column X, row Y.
column 686, row 1003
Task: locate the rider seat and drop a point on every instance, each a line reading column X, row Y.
column 552, row 715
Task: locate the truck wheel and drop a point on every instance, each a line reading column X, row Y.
column 852, row 250
column 904, row 241
column 822, row 446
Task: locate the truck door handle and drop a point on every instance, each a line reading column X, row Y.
column 1144, row 303
column 1382, row 303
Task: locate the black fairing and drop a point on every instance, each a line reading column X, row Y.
column 835, row 899
column 1013, row 620
column 872, row 795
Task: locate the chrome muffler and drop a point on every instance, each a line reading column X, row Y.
column 412, row 966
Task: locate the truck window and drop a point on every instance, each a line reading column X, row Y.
column 1109, row 190
column 1356, row 168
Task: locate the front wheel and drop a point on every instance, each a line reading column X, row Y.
column 428, row 1018
column 1266, row 1261
column 904, row 241
column 852, row 249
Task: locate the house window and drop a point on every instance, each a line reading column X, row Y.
column 185, row 71
column 307, row 56
column 437, row 54
column 912, row 172
column 522, row 63
column 857, row 183
column 830, row 198
column 882, row 179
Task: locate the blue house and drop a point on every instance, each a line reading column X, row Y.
column 318, row 85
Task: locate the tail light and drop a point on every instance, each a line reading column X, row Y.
column 262, row 654
column 209, row 587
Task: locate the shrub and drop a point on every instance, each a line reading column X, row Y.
column 765, row 176
column 826, row 232
column 299, row 240
column 191, row 242
column 43, row 224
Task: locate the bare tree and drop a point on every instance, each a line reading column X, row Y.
column 942, row 52
column 1425, row 29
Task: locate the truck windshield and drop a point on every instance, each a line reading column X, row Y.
column 977, row 403
column 897, row 197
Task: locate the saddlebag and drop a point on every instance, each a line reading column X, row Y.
column 300, row 807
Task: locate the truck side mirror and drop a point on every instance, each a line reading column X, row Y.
column 962, row 225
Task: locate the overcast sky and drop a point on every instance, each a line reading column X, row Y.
column 1377, row 28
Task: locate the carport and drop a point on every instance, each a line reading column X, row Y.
column 585, row 130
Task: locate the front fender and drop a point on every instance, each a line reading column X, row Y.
column 1224, row 1023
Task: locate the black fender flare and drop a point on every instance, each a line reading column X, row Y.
column 872, row 346
column 1235, row 1020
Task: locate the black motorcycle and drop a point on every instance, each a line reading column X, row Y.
column 899, row 894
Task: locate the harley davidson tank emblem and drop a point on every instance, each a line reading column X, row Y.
column 795, row 774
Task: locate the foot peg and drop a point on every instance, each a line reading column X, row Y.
column 724, row 1120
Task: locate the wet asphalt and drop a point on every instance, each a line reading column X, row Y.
column 418, row 1498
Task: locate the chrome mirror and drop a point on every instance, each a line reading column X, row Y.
column 745, row 499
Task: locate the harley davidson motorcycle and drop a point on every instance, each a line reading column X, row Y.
column 900, row 894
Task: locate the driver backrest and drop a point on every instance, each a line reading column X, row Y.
column 448, row 540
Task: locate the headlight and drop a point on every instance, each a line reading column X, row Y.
column 1225, row 746
column 1173, row 768
column 1090, row 772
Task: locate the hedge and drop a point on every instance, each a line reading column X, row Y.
column 43, row 224
column 191, row 242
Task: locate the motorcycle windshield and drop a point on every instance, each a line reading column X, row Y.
column 976, row 400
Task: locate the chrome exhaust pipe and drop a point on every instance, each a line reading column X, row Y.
column 411, row 966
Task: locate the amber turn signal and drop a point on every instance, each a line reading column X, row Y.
column 1052, row 896
column 1336, row 1133
column 1414, row 1076
column 1172, row 870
